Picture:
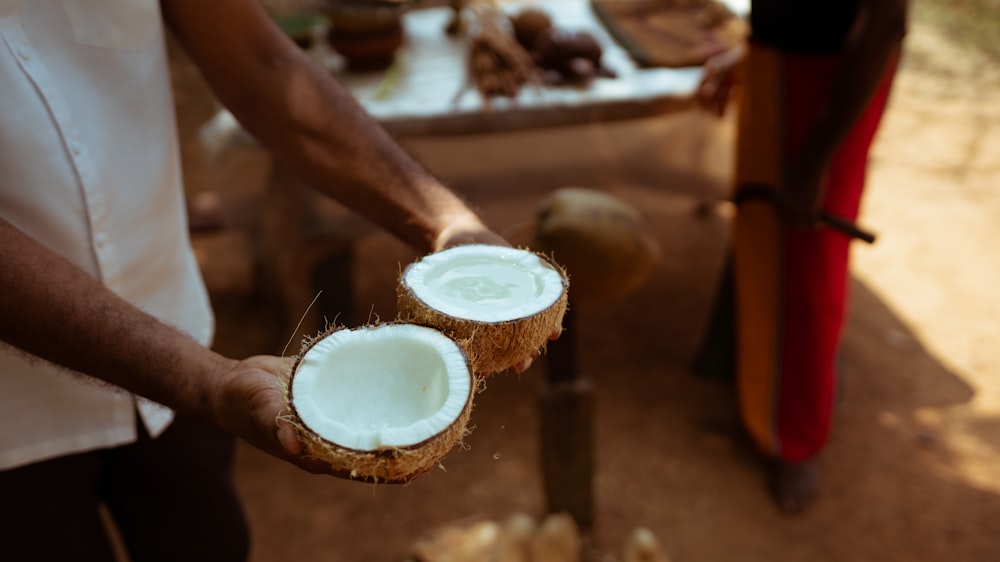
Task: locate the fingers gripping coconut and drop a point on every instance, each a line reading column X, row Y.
column 501, row 304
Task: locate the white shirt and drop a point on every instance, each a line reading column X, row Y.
column 89, row 166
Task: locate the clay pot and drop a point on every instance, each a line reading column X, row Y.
column 367, row 33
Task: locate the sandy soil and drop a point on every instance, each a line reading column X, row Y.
column 913, row 469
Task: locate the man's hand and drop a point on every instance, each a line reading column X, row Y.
column 526, row 363
column 718, row 80
column 250, row 404
column 466, row 229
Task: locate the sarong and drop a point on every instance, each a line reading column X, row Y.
column 791, row 284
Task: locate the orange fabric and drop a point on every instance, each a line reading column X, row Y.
column 791, row 285
column 756, row 250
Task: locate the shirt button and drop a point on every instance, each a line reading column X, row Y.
column 101, row 239
column 75, row 149
column 23, row 53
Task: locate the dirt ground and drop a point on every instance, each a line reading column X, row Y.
column 912, row 471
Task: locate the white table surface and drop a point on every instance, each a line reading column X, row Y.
column 428, row 93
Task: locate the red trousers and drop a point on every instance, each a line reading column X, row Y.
column 791, row 284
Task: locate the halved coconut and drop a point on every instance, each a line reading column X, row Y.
column 500, row 303
column 381, row 403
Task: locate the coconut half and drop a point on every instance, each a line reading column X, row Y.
column 380, row 403
column 501, row 304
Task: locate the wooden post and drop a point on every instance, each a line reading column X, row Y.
column 566, row 403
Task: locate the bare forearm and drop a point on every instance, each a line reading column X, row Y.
column 54, row 310
column 313, row 124
column 876, row 39
column 324, row 136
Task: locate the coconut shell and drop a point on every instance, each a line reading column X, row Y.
column 492, row 347
column 387, row 465
column 605, row 245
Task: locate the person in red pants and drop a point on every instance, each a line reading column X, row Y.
column 812, row 82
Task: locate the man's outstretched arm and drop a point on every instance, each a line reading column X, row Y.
column 56, row 311
column 296, row 109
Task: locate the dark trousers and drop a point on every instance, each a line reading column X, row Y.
column 172, row 499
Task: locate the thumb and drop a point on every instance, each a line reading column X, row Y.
column 287, row 439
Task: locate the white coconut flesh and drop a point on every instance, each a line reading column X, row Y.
column 390, row 386
column 485, row 283
column 501, row 304
column 604, row 243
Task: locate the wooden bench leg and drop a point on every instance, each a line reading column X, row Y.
column 566, row 404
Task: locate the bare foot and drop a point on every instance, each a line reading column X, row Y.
column 794, row 484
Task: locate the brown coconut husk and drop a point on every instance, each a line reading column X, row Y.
column 604, row 243
column 386, row 465
column 492, row 347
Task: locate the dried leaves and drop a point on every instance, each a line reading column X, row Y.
column 507, row 52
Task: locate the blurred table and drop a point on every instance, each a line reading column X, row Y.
column 426, row 92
